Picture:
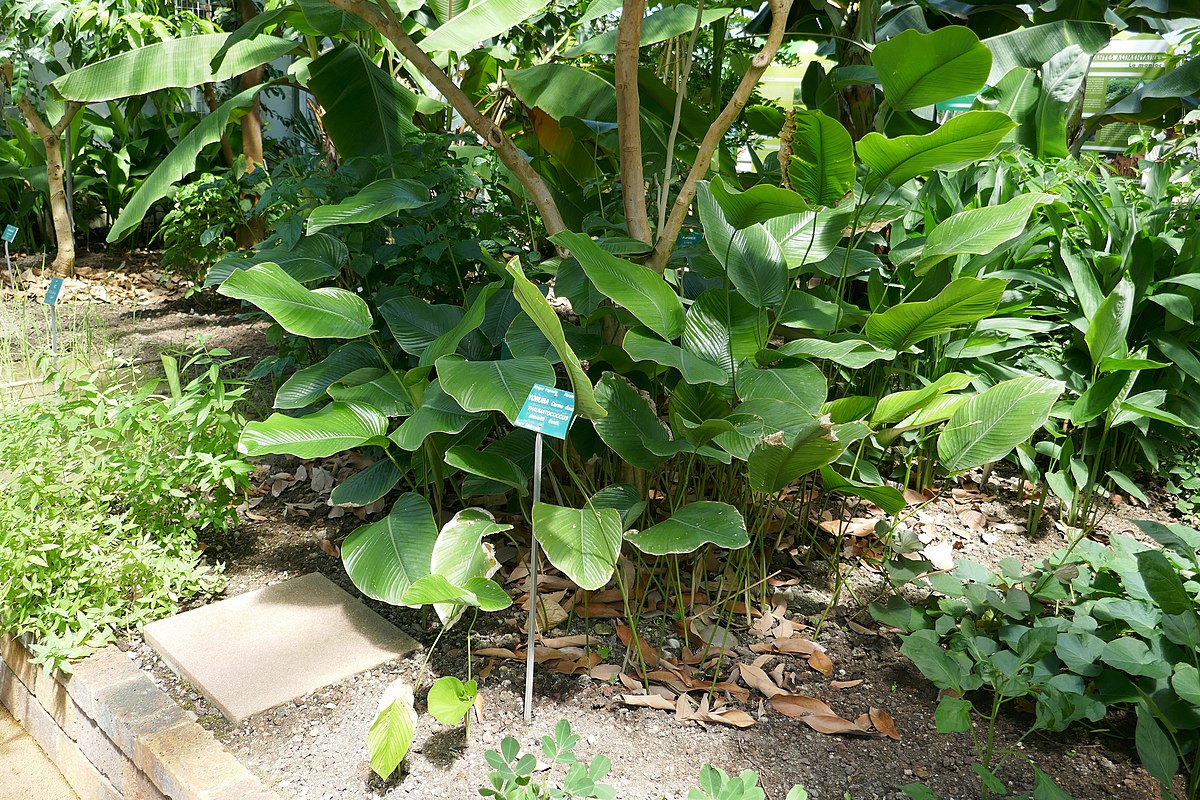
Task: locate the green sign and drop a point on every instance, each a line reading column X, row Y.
column 53, row 291
column 547, row 410
column 10, row 233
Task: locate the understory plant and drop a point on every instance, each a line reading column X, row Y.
column 106, row 493
column 1091, row 629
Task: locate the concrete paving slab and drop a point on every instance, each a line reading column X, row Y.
column 27, row 773
column 254, row 651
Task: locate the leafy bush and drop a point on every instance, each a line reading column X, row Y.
column 1092, row 628
column 104, row 493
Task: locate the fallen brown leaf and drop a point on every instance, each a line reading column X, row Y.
column 821, row 662
column 648, row 701
column 845, row 684
column 884, row 723
column 756, row 678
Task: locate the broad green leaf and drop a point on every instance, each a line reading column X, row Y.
column 365, row 487
column 822, row 168
column 461, row 556
column 1182, row 81
column 756, row 204
column 1155, row 749
column 622, row 498
column 178, row 164
column 980, row 230
column 392, row 730
column 385, row 558
column 582, row 543
column 962, row 140
column 1105, row 337
column 774, row 465
column 989, row 425
column 374, row 201
column 543, row 315
column 480, row 21
column 336, row 427
column 174, row 63
column 952, row 714
column 1033, row 46
column 434, row 589
column 312, row 258
column 898, row 405
column 450, row 699
column 631, row 428
column 923, row 650
column 383, row 390
column 1186, row 682
column 810, row 237
column 1080, row 652
column 803, row 385
column 446, row 10
column 307, row 386
column 639, row 289
column 492, row 466
column 488, row 594
column 852, row 353
column 1132, row 656
column 1126, row 483
column 493, row 385
column 753, row 259
column 692, row 527
column 1163, row 583
column 641, row 345
column 365, row 110
column 724, row 330
column 325, row 313
column 416, row 324
column 920, row 69
column 963, row 302
column 1099, row 398
column 438, row 413
column 329, row 20
column 889, row 499
column 665, row 23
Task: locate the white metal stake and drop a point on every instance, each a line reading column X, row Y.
column 54, row 335
column 533, row 560
column 12, row 276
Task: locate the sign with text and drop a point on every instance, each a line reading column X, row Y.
column 53, row 291
column 547, row 410
column 10, row 233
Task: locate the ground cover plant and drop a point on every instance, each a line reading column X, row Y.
column 108, row 491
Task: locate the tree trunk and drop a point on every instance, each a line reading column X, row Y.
column 384, row 20
column 856, row 104
column 712, row 138
column 254, row 229
column 629, row 121
column 210, row 98
column 64, row 234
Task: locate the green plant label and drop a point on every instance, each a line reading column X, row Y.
column 689, row 239
column 52, row 292
column 547, row 410
column 10, row 233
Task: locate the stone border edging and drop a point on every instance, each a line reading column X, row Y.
column 115, row 735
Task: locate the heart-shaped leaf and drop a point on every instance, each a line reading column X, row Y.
column 692, row 527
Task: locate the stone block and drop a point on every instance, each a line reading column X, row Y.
column 13, row 694
column 134, row 708
column 101, row 671
column 254, row 651
column 99, row 750
column 52, row 695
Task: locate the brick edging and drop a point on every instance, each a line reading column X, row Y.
column 115, row 735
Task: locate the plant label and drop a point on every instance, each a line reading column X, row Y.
column 10, row 233
column 689, row 239
column 547, row 410
column 53, row 291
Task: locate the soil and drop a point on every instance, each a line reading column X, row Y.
column 315, row 747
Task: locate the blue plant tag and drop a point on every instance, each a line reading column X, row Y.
column 547, row 410
column 10, row 233
column 689, row 239
column 52, row 292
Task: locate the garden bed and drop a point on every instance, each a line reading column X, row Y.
column 315, row 747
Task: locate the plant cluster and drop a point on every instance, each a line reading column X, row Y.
column 1091, row 629
column 106, row 491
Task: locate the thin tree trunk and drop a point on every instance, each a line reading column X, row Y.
column 51, row 136
column 629, row 121
column 512, row 158
column 210, row 98
column 716, row 131
column 856, row 103
column 254, row 230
